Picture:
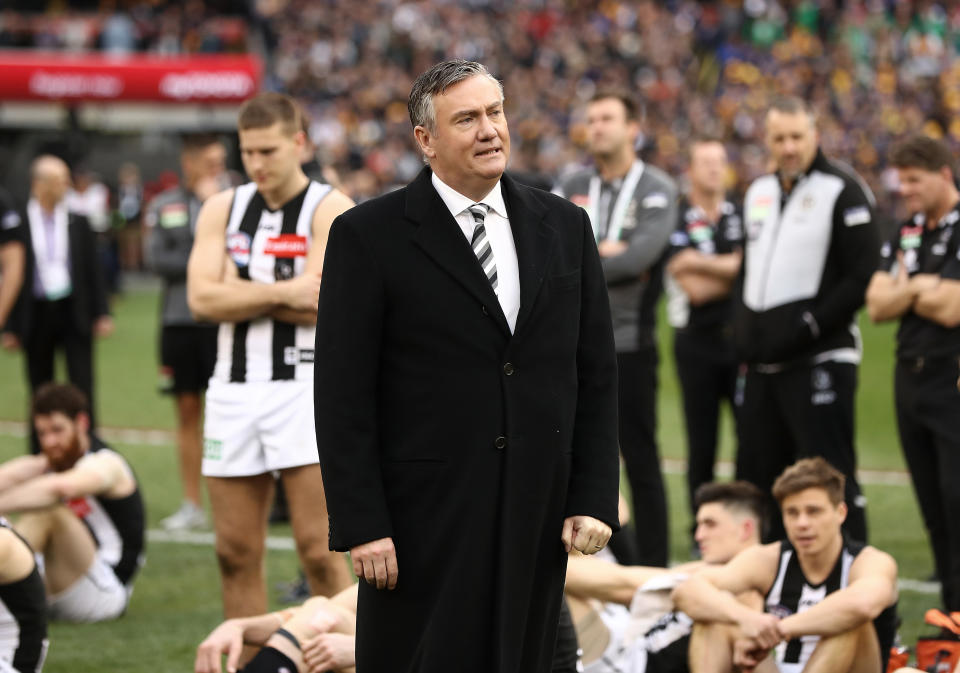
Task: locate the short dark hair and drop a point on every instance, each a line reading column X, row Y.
column 810, row 473
column 436, row 81
column 740, row 496
column 64, row 398
column 194, row 142
column 704, row 139
column 792, row 105
column 923, row 152
column 266, row 109
column 630, row 107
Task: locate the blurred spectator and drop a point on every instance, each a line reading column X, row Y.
column 91, row 198
column 63, row 301
column 129, row 203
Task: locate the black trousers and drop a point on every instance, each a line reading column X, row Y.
column 707, row 370
column 638, row 446
column 53, row 329
column 798, row 413
column 928, row 419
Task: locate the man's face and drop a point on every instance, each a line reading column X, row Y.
column 469, row 145
column 608, row 129
column 270, row 156
column 52, row 181
column 59, row 438
column 720, row 534
column 792, row 142
column 708, row 167
column 204, row 162
column 812, row 522
column 923, row 190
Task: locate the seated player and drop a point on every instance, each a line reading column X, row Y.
column 81, row 510
column 651, row 636
column 23, row 606
column 829, row 602
column 314, row 638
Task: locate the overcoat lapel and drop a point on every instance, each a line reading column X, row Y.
column 439, row 236
column 534, row 240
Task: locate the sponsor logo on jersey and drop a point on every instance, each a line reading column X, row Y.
column 238, row 246
column 286, row 246
column 700, row 232
column 910, row 237
column 79, row 506
column 855, row 216
column 11, row 220
column 822, row 384
column 174, row 215
column 780, row 611
column 679, row 239
column 759, row 209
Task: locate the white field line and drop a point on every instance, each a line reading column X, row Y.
column 670, row 465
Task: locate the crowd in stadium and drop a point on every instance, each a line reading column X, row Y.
column 703, row 143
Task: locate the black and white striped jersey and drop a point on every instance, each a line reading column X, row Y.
column 792, row 593
column 268, row 246
column 23, row 619
column 118, row 525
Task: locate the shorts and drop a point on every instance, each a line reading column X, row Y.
column 618, row 657
column 97, row 596
column 254, row 428
column 187, row 356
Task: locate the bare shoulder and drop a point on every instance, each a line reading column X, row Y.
column 332, row 205
column 873, row 561
column 214, row 212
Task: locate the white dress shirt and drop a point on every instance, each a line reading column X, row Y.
column 500, row 236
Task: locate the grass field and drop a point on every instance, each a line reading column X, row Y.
column 177, row 601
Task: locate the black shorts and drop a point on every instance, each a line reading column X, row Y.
column 187, row 356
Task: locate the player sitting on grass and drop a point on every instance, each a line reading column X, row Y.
column 651, row 635
column 830, row 602
column 82, row 510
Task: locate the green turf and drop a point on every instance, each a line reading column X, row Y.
column 176, row 601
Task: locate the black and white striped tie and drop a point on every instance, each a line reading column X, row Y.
column 480, row 244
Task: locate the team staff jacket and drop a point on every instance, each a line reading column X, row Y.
column 171, row 219
column 809, row 256
column 643, row 216
column 696, row 231
column 934, row 250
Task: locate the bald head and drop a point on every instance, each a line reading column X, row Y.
column 49, row 180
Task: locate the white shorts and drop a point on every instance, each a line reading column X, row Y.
column 254, row 428
column 618, row 657
column 97, row 596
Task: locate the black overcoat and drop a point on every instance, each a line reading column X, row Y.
column 465, row 444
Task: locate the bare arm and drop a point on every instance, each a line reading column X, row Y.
column 12, row 261
column 335, row 203
column 872, row 588
column 724, row 267
column 93, row 475
column 608, row 582
column 889, row 296
column 941, row 303
column 216, row 297
column 21, row 469
column 711, row 595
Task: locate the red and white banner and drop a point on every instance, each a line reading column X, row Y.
column 56, row 76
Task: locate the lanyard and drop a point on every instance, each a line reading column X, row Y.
column 615, row 223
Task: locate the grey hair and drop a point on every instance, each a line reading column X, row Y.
column 436, row 81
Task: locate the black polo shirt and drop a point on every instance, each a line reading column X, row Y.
column 725, row 236
column 926, row 250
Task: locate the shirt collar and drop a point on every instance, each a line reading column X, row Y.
column 457, row 202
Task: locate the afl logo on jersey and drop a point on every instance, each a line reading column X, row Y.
column 238, row 246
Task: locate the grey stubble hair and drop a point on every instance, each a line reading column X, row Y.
column 437, row 80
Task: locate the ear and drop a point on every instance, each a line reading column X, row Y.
column 842, row 510
column 747, row 529
column 83, row 422
column 425, row 141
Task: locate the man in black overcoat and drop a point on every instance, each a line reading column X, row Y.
column 465, row 398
